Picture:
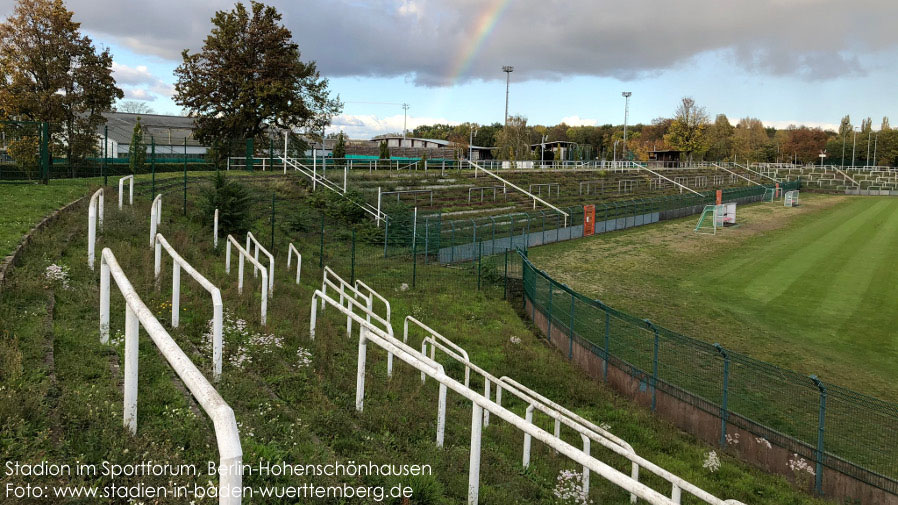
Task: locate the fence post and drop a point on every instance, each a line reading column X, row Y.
column 271, row 247
column 549, row 314
column 271, row 154
column 654, row 362
column 479, row 262
column 570, row 350
column 505, row 288
column 818, row 483
column 724, row 411
column 414, row 262
column 249, row 154
column 352, row 270
column 321, row 250
column 105, row 155
column 46, row 161
column 153, row 164
column 386, row 234
column 607, row 343
column 185, row 176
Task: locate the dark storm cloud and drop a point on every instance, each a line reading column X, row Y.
column 547, row 39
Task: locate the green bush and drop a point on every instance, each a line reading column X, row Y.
column 232, row 200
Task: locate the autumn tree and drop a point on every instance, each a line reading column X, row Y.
column 687, row 132
column 720, row 139
column 249, row 76
column 514, row 140
column 885, row 124
column 805, row 144
column 134, row 107
column 750, row 140
column 51, row 72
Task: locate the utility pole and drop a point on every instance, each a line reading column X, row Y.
column 626, row 95
column 471, row 144
column 875, row 140
column 867, row 159
column 404, row 117
column 508, row 70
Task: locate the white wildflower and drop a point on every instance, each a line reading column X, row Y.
column 763, row 441
column 304, row 357
column 515, row 340
column 712, row 462
column 569, row 488
column 403, row 287
column 798, row 464
column 58, row 273
column 733, row 439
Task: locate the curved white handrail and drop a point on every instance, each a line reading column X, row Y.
column 136, row 315
column 217, row 308
column 94, row 218
column 480, row 403
column 155, row 217
column 291, row 250
column 251, row 239
column 121, row 182
column 433, row 333
column 243, row 253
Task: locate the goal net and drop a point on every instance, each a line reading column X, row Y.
column 791, row 199
column 769, row 194
column 711, row 219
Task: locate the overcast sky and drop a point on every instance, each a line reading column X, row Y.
column 784, row 61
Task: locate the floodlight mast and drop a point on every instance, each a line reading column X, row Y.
column 508, row 69
column 626, row 95
column 405, row 107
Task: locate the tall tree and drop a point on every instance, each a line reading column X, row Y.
column 137, row 149
column 134, row 107
column 885, row 124
column 51, row 72
column 249, row 75
column 720, row 138
column 340, row 147
column 687, row 132
column 514, row 139
column 866, row 125
column 750, row 140
column 845, row 126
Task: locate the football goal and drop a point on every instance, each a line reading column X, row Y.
column 769, row 194
column 791, row 199
column 716, row 216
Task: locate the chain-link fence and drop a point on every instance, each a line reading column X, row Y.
column 831, row 427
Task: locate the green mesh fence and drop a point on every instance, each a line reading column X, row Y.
column 829, row 426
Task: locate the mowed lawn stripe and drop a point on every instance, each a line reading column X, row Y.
column 841, row 292
column 781, row 269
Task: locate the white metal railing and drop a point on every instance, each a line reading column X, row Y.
column 666, row 178
column 177, row 264
column 312, row 173
column 535, row 198
column 137, row 314
column 370, row 333
column 243, row 253
column 759, row 174
column 121, row 188
column 215, row 230
column 291, row 250
column 155, row 217
column 347, row 290
column 251, row 239
column 737, row 175
column 94, row 219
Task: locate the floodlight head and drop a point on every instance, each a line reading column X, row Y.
column 508, row 68
column 626, row 94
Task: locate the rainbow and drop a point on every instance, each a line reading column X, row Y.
column 483, row 27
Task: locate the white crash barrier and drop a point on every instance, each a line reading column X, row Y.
column 121, row 182
column 215, row 230
column 332, row 280
column 587, row 431
column 155, row 217
column 177, row 265
column 291, row 250
column 94, row 219
column 136, row 315
column 371, row 333
column 243, row 253
column 251, row 239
